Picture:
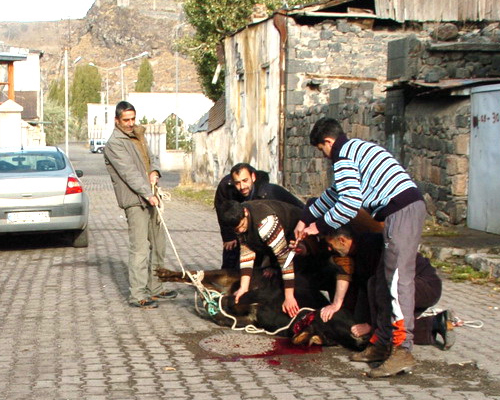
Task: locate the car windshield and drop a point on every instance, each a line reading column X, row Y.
column 31, row 161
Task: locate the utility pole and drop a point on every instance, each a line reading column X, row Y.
column 66, row 102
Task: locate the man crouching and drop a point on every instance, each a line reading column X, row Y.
column 264, row 229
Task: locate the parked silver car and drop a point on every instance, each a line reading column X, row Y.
column 40, row 192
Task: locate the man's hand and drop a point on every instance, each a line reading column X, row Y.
column 240, row 292
column 299, row 230
column 230, row 245
column 244, row 285
column 310, row 230
column 299, row 247
column 153, row 200
column 290, row 305
column 153, row 178
column 327, row 312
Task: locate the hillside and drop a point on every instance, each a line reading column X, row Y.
column 106, row 36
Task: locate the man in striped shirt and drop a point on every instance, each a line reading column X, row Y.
column 366, row 176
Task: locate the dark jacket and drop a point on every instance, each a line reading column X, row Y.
column 263, row 190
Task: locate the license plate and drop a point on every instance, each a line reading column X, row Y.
column 27, row 217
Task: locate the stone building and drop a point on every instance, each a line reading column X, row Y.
column 381, row 70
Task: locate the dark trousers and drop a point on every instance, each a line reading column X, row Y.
column 427, row 294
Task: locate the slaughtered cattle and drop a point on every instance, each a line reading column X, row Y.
column 261, row 306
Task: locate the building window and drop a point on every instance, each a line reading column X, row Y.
column 4, row 81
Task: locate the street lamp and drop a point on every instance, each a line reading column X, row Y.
column 107, row 77
column 122, row 67
column 176, row 33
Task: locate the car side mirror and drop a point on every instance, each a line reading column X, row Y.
column 79, row 173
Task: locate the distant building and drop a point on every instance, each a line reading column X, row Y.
column 21, row 107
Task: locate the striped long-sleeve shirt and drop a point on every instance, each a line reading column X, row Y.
column 365, row 175
column 273, row 235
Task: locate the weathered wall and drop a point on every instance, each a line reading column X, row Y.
column 337, row 69
column 437, row 126
column 252, row 97
column 437, row 150
column 211, row 158
column 455, row 52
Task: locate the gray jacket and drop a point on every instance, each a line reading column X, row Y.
column 127, row 170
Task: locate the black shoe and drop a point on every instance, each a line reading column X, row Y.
column 167, row 294
column 145, row 304
column 444, row 327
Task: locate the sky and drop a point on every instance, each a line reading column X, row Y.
column 46, row 10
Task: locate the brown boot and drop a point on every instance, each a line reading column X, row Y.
column 374, row 352
column 400, row 360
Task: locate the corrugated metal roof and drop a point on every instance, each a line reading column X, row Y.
column 217, row 115
column 452, row 83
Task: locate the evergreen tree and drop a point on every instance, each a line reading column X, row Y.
column 85, row 89
column 144, row 77
column 56, row 128
column 212, row 20
column 56, row 92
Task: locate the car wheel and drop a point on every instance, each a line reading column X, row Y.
column 81, row 238
column 100, row 150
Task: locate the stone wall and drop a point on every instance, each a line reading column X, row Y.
column 337, row 69
column 437, row 126
column 461, row 52
column 436, row 153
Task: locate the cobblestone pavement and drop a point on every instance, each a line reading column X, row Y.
column 67, row 332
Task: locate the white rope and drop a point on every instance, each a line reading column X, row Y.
column 252, row 328
column 456, row 321
column 171, row 241
column 196, row 282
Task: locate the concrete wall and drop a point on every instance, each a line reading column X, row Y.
column 211, row 157
column 10, row 125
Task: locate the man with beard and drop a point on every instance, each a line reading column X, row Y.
column 244, row 183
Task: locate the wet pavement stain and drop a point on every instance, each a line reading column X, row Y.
column 333, row 361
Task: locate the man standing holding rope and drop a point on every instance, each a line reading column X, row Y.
column 135, row 173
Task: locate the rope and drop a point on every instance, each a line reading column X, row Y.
column 196, row 281
column 210, row 296
column 252, row 328
column 455, row 320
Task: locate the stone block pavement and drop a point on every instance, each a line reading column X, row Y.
column 67, row 332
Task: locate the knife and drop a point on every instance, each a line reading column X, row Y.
column 289, row 259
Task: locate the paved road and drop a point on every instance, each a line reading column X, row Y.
column 66, row 331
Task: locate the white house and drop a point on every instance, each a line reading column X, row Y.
column 20, row 97
column 189, row 107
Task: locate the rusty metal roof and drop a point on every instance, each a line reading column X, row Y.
column 452, row 83
column 217, row 115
